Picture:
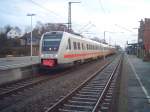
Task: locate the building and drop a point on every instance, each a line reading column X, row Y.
column 147, row 35
column 143, row 47
column 14, row 32
column 131, row 48
column 25, row 41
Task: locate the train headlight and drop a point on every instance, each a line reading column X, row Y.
column 50, row 49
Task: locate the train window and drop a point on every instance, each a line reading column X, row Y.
column 78, row 45
column 87, row 46
column 74, row 45
column 69, row 44
column 82, row 46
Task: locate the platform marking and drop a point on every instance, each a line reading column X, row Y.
column 140, row 82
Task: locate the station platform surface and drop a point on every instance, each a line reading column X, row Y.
column 16, row 62
column 135, row 85
column 16, row 68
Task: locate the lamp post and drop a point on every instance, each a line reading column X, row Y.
column 104, row 36
column 31, row 34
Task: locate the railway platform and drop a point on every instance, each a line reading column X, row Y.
column 14, row 68
column 17, row 62
column 135, row 89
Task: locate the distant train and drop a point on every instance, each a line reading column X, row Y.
column 58, row 48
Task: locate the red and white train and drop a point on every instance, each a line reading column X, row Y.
column 58, row 48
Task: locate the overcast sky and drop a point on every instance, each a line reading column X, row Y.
column 119, row 18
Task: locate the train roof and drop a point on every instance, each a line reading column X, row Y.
column 82, row 38
column 76, row 36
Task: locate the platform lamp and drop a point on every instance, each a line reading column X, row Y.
column 31, row 15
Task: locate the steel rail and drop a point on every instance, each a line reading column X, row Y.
column 27, row 83
column 22, row 86
column 54, row 108
column 95, row 109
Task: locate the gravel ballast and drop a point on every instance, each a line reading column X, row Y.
column 39, row 98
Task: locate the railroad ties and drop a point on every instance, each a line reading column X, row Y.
column 9, row 93
column 94, row 95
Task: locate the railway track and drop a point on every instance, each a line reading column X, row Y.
column 12, row 90
column 9, row 93
column 13, row 87
column 96, row 94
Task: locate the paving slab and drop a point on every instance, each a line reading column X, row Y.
column 135, row 85
column 139, row 81
column 17, row 62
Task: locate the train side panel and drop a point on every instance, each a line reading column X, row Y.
column 73, row 48
column 72, row 55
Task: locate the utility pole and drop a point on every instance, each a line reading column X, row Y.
column 109, row 36
column 69, row 16
column 31, row 35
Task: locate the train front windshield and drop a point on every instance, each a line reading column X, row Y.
column 51, row 42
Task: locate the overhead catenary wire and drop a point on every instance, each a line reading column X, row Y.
column 46, row 9
column 101, row 5
column 58, row 16
column 123, row 28
column 39, row 16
